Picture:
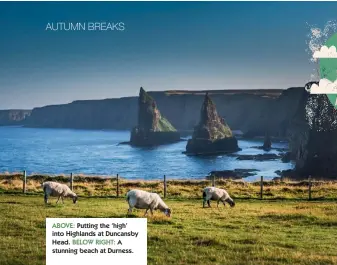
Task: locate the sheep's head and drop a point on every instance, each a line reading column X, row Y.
column 230, row 202
column 167, row 212
column 75, row 199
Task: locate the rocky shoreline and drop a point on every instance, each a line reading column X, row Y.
column 232, row 174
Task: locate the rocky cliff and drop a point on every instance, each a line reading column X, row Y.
column 13, row 117
column 152, row 128
column 245, row 110
column 212, row 134
column 313, row 137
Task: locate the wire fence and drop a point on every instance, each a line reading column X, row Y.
column 308, row 189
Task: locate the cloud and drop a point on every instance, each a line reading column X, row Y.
column 324, row 87
column 326, row 52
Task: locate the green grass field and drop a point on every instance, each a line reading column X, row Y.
column 253, row 232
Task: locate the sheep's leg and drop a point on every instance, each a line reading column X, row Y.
column 223, row 201
column 58, row 199
column 204, row 201
column 130, row 210
column 151, row 210
column 62, row 199
column 208, row 203
column 145, row 214
column 45, row 198
column 217, row 203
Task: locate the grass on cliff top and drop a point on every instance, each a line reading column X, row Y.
column 253, row 232
column 187, row 189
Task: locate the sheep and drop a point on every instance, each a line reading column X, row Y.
column 59, row 190
column 140, row 199
column 212, row 193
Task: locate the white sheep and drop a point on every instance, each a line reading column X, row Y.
column 59, row 190
column 216, row 194
column 140, row 199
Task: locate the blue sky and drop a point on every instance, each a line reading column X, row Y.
column 165, row 45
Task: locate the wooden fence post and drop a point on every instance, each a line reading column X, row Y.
column 310, row 185
column 261, row 188
column 165, row 186
column 117, row 186
column 71, row 181
column 24, row 181
column 213, row 181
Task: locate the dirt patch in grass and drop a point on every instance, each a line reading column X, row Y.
column 206, row 242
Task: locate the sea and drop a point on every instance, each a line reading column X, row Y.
column 98, row 153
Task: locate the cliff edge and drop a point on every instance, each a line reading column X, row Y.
column 313, row 137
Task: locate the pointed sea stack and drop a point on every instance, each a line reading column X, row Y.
column 212, row 135
column 152, row 129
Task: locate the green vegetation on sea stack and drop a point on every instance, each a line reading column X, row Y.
column 165, row 126
column 253, row 232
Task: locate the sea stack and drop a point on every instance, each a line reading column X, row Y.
column 212, row 135
column 152, row 129
column 267, row 142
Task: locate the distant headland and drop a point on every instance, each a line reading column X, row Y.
column 180, row 107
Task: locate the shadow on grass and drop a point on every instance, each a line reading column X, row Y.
column 53, row 205
column 11, row 202
column 206, row 242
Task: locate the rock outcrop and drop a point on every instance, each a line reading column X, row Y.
column 212, row 135
column 233, row 174
column 313, row 137
column 267, row 143
column 152, row 129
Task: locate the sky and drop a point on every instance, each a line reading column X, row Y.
column 164, row 46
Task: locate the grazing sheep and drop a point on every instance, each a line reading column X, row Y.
column 212, row 193
column 59, row 190
column 140, row 199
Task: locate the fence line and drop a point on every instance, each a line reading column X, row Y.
column 24, row 181
column 165, row 186
column 309, row 188
column 213, row 180
column 71, row 181
column 261, row 188
column 117, row 188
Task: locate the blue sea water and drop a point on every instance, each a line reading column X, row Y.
column 62, row 151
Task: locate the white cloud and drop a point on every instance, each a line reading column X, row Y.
column 324, row 87
column 326, row 52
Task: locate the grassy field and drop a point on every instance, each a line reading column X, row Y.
column 253, row 232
